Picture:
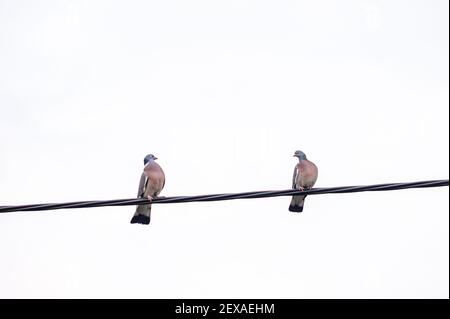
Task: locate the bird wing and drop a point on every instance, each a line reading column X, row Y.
column 142, row 185
column 294, row 178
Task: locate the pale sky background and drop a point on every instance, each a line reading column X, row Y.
column 224, row 92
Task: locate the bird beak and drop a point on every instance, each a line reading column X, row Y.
column 156, row 158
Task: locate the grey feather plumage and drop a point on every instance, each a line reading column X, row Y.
column 304, row 177
column 151, row 183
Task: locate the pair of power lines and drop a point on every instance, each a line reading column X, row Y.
column 229, row 196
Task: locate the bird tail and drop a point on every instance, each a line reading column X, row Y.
column 142, row 215
column 297, row 204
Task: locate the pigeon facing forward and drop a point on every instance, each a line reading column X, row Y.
column 305, row 176
column 151, row 184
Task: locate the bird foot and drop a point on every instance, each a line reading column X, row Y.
column 149, row 198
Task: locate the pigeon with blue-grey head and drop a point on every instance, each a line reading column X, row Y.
column 150, row 185
column 305, row 176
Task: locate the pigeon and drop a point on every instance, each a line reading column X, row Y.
column 151, row 184
column 305, row 176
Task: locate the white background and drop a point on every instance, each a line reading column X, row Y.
column 224, row 92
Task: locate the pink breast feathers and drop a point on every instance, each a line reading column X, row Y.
column 308, row 173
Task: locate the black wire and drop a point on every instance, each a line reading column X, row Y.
column 218, row 197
